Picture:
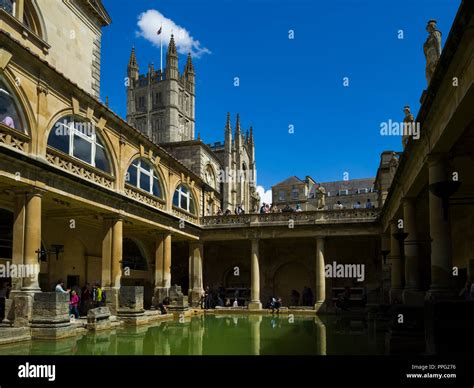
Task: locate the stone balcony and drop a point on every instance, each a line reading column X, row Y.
column 320, row 217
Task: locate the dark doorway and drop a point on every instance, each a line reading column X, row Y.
column 72, row 281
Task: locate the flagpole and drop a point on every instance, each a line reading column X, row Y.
column 161, row 51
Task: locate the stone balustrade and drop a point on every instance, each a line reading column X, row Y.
column 298, row 218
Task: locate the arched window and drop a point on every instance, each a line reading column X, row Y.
column 7, row 5
column 78, row 138
column 209, row 176
column 10, row 115
column 132, row 256
column 141, row 174
column 183, row 199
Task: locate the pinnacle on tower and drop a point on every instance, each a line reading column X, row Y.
column 227, row 124
column 172, row 71
column 251, row 135
column 189, row 68
column 237, row 125
column 132, row 69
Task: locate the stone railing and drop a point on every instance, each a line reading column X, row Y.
column 79, row 168
column 297, row 218
column 13, row 138
column 184, row 215
column 144, row 197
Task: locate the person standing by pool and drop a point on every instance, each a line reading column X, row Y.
column 86, row 299
column 74, row 302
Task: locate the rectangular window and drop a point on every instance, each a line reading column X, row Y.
column 281, row 195
column 82, row 149
column 343, row 192
column 294, row 193
column 362, row 191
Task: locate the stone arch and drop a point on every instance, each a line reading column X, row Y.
column 290, row 276
column 134, row 255
column 110, row 151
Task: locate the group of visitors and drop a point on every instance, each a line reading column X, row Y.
column 216, row 298
column 306, row 297
column 239, row 209
column 368, row 205
column 82, row 300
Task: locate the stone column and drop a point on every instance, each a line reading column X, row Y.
column 386, row 273
column 255, row 277
column 32, row 239
column 320, row 293
column 195, row 273
column 18, row 244
column 411, row 294
column 112, row 260
column 162, row 267
column 441, row 256
column 395, row 259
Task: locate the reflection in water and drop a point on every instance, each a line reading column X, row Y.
column 219, row 335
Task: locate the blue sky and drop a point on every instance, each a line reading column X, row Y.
column 295, row 82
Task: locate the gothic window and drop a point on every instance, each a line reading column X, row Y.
column 209, row 176
column 78, row 138
column 132, row 256
column 183, row 199
column 187, row 104
column 7, row 5
column 141, row 174
column 10, row 115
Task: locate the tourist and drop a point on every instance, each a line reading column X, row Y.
column 368, row 205
column 274, row 209
column 98, row 296
column 227, row 212
column 357, row 205
column 338, row 205
column 73, row 303
column 207, row 298
column 262, row 208
column 298, row 208
column 219, row 212
column 7, row 120
column 86, row 299
column 275, row 305
column 287, row 209
column 307, row 296
column 295, row 298
column 235, row 304
column 163, row 306
column 227, row 302
column 60, row 287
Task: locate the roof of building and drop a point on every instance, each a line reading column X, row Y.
column 292, row 180
column 352, row 185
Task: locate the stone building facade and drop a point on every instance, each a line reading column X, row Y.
column 90, row 198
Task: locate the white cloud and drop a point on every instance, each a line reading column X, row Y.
column 265, row 196
column 149, row 23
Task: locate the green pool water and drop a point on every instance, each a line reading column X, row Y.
column 221, row 335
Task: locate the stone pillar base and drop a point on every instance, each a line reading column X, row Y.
column 255, row 305
column 112, row 298
column 19, row 309
column 318, row 306
column 159, row 294
column 396, row 295
column 194, row 297
column 413, row 297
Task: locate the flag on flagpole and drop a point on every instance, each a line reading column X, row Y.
column 161, row 50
